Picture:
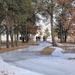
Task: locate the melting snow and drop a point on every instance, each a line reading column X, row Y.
column 55, row 64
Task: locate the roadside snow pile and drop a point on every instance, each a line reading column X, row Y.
column 58, row 52
column 6, row 69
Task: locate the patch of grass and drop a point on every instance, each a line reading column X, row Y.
column 12, row 48
column 21, row 46
column 64, row 47
column 68, row 49
column 47, row 51
column 32, row 44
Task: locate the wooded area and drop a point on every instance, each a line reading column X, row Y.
column 20, row 17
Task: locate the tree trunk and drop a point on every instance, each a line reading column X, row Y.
column 52, row 30
column 12, row 42
column 61, row 33
column 65, row 37
column 22, row 38
column 26, row 37
column 0, row 41
column 7, row 37
column 7, row 31
column 16, row 40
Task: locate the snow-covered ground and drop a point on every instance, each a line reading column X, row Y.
column 23, row 60
column 6, row 69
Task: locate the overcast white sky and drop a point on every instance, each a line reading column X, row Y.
column 43, row 22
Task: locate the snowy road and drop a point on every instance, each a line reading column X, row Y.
column 55, row 64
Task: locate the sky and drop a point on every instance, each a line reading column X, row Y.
column 43, row 22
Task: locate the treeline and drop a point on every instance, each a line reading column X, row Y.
column 15, row 18
column 17, row 15
column 61, row 14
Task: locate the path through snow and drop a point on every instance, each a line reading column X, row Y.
column 55, row 64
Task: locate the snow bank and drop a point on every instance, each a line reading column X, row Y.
column 58, row 52
column 6, row 69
